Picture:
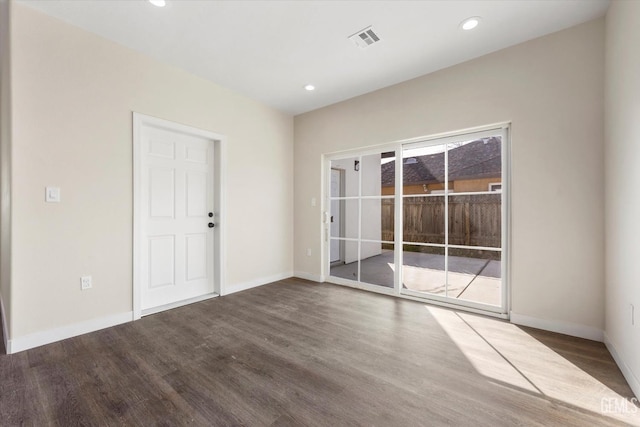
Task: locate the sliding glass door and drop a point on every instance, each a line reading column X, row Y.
column 452, row 203
column 360, row 250
column 428, row 223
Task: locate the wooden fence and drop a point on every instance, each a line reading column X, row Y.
column 474, row 220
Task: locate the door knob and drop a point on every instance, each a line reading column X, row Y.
column 210, row 214
column 211, row 225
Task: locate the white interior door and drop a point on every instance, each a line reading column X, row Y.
column 176, row 206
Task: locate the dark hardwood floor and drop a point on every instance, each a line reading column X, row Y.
column 300, row 353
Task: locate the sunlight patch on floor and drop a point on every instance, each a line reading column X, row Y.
column 460, row 285
column 488, row 344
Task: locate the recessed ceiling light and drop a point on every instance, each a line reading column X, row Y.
column 158, row 3
column 309, row 87
column 470, row 23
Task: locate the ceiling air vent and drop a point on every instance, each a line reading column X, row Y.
column 365, row 38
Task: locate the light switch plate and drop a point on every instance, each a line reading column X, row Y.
column 52, row 194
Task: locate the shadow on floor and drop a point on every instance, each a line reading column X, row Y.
column 597, row 361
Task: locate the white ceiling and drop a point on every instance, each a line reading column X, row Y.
column 269, row 50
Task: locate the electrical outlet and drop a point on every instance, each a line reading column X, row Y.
column 633, row 315
column 85, row 283
column 52, row 194
column 308, row 251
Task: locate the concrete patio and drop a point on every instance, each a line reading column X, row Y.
column 470, row 279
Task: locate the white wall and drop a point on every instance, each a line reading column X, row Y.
column 551, row 90
column 74, row 94
column 5, row 164
column 622, row 184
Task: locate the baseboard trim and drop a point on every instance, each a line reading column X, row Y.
column 38, row 339
column 5, row 327
column 308, row 276
column 567, row 328
column 171, row 306
column 238, row 287
column 633, row 381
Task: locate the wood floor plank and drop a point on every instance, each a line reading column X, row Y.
column 306, row 354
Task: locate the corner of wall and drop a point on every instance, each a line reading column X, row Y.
column 5, row 167
column 308, row 276
column 566, row 328
column 622, row 203
column 5, row 329
column 631, row 378
column 243, row 286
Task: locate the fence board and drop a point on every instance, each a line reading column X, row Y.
column 474, row 220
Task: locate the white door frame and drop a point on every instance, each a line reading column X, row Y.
column 219, row 146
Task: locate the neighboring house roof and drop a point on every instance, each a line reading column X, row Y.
column 477, row 159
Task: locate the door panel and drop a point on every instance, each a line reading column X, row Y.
column 177, row 263
column 196, row 194
column 162, row 148
column 196, row 154
column 336, row 252
column 423, row 269
column 453, row 234
column 161, row 261
column 196, row 245
column 161, row 193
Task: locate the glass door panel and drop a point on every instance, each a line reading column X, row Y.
column 372, row 219
column 344, row 218
column 475, row 275
column 377, row 264
column 423, row 219
column 378, row 174
column 453, row 229
column 349, row 184
column 363, row 203
column 387, row 220
column 347, row 267
column 475, row 166
column 423, row 269
column 475, row 220
column 423, row 170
